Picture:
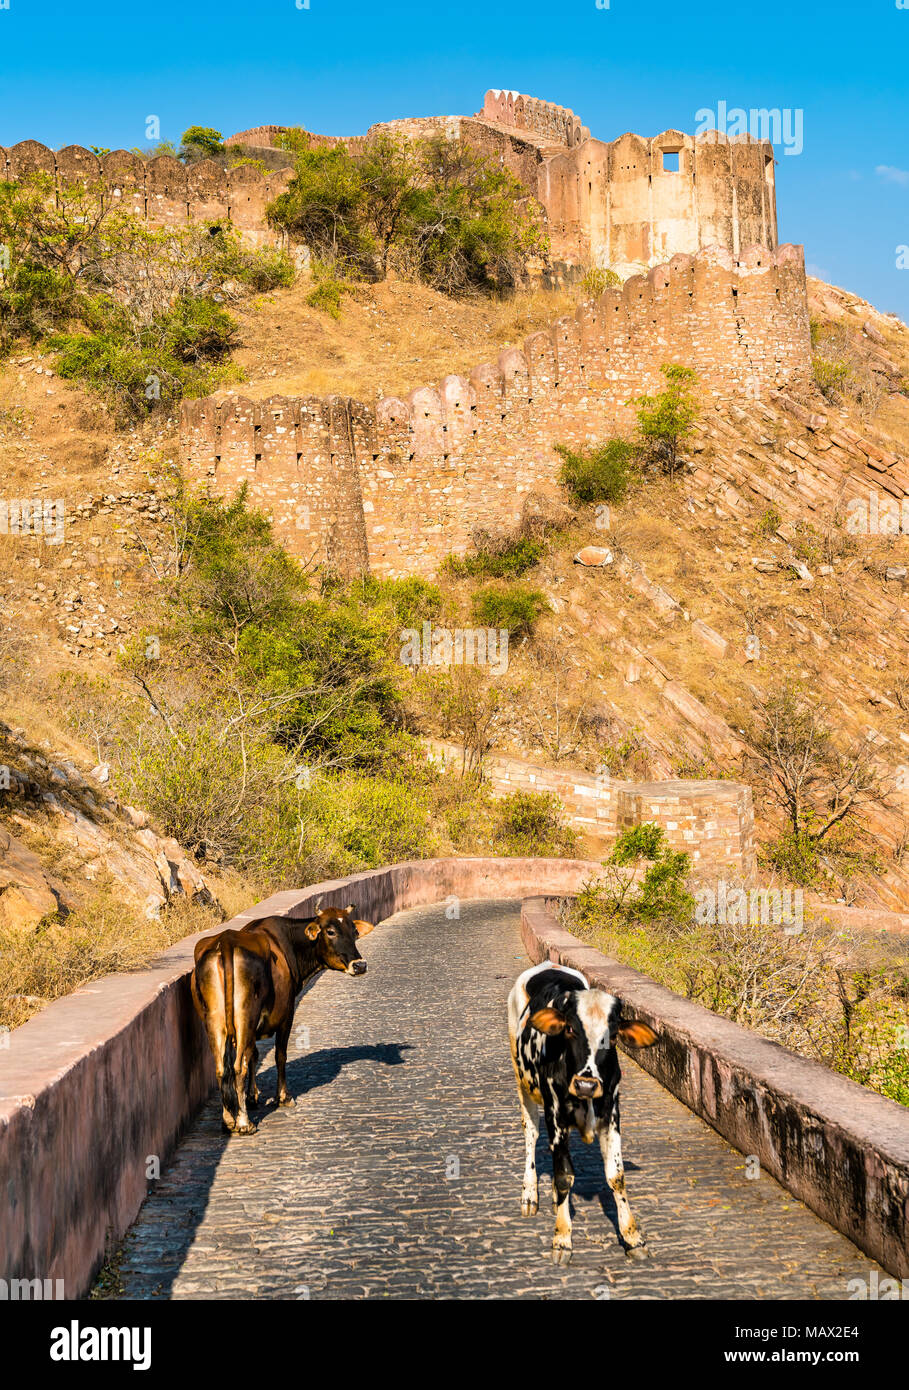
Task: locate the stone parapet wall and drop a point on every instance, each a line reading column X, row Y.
column 162, row 191
column 103, row 1078
column 711, row 821
column 395, row 486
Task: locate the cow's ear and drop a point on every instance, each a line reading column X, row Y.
column 364, row 928
column 637, row 1034
column 311, row 930
column 548, row 1021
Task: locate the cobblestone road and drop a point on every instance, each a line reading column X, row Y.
column 398, row 1173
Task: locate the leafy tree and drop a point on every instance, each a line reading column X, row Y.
column 435, row 208
column 325, row 205
column 665, row 420
column 201, row 142
column 469, row 224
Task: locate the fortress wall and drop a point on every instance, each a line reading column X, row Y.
column 396, row 486
column 608, row 204
column 556, row 124
column 161, row 191
column 616, row 205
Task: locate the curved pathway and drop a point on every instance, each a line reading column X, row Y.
column 398, row 1173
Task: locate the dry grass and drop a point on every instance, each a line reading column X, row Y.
column 390, row 339
column 102, row 938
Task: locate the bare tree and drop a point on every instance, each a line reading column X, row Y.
column 559, row 720
column 470, row 709
column 816, row 782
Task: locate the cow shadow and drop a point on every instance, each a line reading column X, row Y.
column 590, row 1183
column 152, row 1266
column 315, row 1069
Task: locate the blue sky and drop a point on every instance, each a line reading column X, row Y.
column 91, row 73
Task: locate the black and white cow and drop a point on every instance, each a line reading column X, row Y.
column 563, row 1036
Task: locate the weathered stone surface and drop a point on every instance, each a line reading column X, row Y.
column 26, row 894
column 715, row 644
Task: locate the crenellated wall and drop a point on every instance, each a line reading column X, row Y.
column 620, row 203
column 162, row 191
column 395, row 486
column 556, row 124
column 617, row 204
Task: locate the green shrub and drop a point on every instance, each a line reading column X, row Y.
column 796, row 857
column 831, row 376
column 507, row 561
column 513, row 608
column 531, row 823
column 600, row 473
column 178, row 354
column 596, row 280
column 34, row 300
column 408, row 602
column 329, row 288
column 661, row 896
column 258, row 270
column 665, row 421
column 645, row 841
column 768, row 523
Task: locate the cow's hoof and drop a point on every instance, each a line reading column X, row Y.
column 561, row 1254
column 286, row 1100
column 637, row 1252
column 529, row 1206
column 245, row 1129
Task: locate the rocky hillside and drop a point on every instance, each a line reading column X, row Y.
column 648, row 661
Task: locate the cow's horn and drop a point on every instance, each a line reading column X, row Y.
column 318, row 903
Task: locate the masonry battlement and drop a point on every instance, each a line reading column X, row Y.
column 627, row 204
column 395, row 485
column 555, row 123
column 161, row 191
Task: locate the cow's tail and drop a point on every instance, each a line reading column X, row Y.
column 228, row 1081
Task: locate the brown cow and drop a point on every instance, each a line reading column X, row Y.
column 245, row 986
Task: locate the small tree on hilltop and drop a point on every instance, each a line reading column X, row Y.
column 665, row 421
column 201, row 142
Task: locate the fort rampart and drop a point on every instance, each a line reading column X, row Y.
column 394, row 486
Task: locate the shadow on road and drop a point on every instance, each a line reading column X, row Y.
column 162, row 1242
column 590, row 1183
column 316, row 1069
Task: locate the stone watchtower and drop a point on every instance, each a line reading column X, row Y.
column 634, row 202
